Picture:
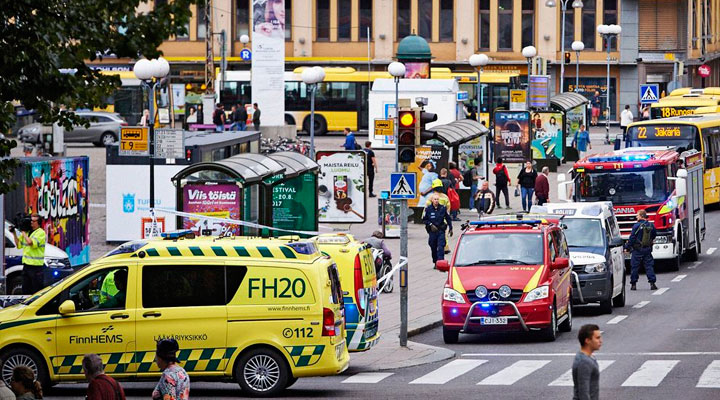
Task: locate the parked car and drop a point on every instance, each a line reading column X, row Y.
column 104, row 129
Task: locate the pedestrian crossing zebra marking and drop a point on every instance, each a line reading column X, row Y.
column 617, row 320
column 367, row 377
column 660, row 291
column 641, row 304
column 566, row 378
column 651, row 373
column 678, row 278
column 514, row 373
column 710, row 378
column 448, row 372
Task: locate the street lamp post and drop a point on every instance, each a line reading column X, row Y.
column 608, row 32
column 478, row 61
column 397, row 70
column 563, row 7
column 311, row 77
column 146, row 70
column 578, row 46
column 528, row 52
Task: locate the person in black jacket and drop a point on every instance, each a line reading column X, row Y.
column 526, row 184
column 485, row 200
column 641, row 250
column 437, row 219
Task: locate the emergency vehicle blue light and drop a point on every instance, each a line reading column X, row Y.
column 55, row 273
column 636, row 157
column 484, row 305
column 176, row 234
column 512, row 222
column 303, row 247
column 454, row 311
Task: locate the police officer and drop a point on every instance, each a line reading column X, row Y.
column 435, row 217
column 641, row 250
column 33, row 259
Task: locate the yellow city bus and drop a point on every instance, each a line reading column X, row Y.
column 127, row 99
column 341, row 100
column 695, row 131
column 684, row 101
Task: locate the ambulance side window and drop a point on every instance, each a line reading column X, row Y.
column 551, row 247
column 102, row 290
column 189, row 285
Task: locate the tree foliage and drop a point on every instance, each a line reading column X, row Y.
column 38, row 38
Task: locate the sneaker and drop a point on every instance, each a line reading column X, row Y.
column 473, row 210
column 652, row 286
column 633, row 286
column 372, row 195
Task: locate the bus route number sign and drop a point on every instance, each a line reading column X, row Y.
column 134, row 141
column 384, row 127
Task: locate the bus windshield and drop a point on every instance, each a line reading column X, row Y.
column 646, row 186
column 684, row 137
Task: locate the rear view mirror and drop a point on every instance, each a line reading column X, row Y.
column 560, row 263
column 67, row 307
column 616, row 241
column 443, row 265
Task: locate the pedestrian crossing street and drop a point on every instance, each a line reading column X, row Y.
column 497, row 372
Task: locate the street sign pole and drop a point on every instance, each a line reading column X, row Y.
column 403, row 186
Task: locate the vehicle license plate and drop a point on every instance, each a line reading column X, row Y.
column 493, row 321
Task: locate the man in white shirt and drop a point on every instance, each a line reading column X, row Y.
column 626, row 118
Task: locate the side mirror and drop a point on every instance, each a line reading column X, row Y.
column 616, row 241
column 443, row 265
column 67, row 307
column 560, row 263
column 680, row 187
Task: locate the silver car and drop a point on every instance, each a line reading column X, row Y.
column 104, row 129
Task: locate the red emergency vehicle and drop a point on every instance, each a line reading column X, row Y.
column 659, row 180
column 508, row 274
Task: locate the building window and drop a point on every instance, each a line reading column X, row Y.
column 446, row 20
column 588, row 24
column 242, row 18
column 322, row 18
column 528, row 22
column 484, row 31
column 403, row 19
column 200, row 18
column 288, row 20
column 344, row 19
column 694, row 33
column 365, row 18
column 569, row 28
column 505, row 24
column 425, row 19
column 610, row 17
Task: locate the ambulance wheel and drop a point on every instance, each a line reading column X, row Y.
column 262, row 372
column 450, row 336
column 549, row 334
column 19, row 356
column 291, row 381
column 619, row 301
column 606, row 305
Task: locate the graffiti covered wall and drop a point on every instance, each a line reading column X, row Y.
column 58, row 191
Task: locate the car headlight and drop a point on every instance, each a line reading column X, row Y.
column 504, row 291
column 538, row 293
column 453, row 295
column 599, row 267
column 481, row 292
column 661, row 239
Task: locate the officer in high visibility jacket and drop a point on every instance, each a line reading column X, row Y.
column 33, row 260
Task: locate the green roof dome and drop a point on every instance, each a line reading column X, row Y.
column 413, row 47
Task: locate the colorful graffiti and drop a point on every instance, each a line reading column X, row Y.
column 58, row 191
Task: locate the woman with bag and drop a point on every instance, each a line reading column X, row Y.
column 526, row 184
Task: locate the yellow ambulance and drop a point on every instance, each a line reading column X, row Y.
column 260, row 312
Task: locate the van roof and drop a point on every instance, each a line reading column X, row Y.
column 590, row 210
column 245, row 247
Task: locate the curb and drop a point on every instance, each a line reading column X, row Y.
column 424, row 328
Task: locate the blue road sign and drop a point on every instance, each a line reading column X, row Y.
column 649, row 93
column 402, row 185
column 246, row 54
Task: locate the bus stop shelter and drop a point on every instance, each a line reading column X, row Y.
column 294, row 201
column 573, row 106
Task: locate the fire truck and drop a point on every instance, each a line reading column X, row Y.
column 666, row 184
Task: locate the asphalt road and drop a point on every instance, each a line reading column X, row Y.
column 661, row 345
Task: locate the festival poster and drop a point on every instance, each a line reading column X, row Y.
column 341, row 186
column 220, row 201
column 547, row 135
column 57, row 189
column 294, row 203
column 268, row 60
column 468, row 152
column 512, row 136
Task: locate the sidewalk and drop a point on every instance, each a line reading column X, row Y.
column 425, row 284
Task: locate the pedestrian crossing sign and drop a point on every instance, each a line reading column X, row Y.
column 649, row 93
column 402, row 185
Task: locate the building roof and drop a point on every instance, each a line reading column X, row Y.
column 413, row 47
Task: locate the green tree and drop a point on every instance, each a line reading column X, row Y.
column 38, row 38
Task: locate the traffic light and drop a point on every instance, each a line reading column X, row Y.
column 408, row 134
column 567, row 57
column 426, row 118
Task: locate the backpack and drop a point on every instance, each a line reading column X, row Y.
column 501, row 178
column 357, row 146
column 467, row 178
column 454, row 199
column 646, row 239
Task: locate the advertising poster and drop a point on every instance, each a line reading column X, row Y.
column 512, row 136
column 389, row 217
column 468, row 152
column 58, row 191
column 547, row 135
column 178, row 93
column 268, row 60
column 221, row 201
column 573, row 119
column 294, row 203
column 417, row 70
column 588, row 86
column 341, row 186
column 435, row 155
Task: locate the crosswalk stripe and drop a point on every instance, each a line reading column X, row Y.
column 617, row 319
column 641, row 304
column 710, row 378
column 566, row 378
column 651, row 373
column 448, row 372
column 678, row 278
column 660, row 291
column 367, row 377
column 514, row 373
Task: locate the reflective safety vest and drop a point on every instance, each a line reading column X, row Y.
column 108, row 288
column 34, row 254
